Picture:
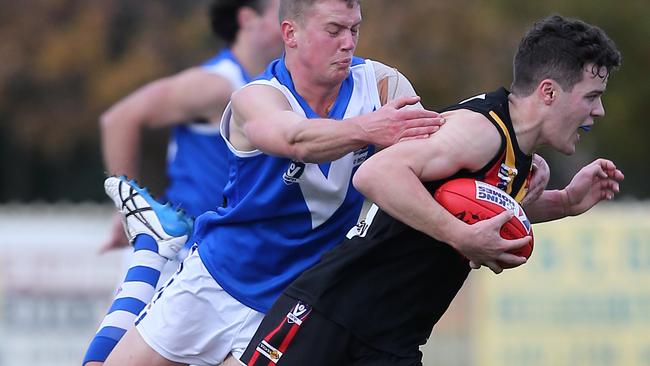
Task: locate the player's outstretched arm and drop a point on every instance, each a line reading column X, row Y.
column 594, row 183
column 393, row 180
column 182, row 98
column 262, row 116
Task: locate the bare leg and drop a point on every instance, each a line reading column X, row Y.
column 231, row 361
column 132, row 350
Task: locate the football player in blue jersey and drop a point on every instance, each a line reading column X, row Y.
column 294, row 137
column 190, row 103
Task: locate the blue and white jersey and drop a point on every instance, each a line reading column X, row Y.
column 281, row 215
column 197, row 164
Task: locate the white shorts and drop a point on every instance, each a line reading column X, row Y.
column 194, row 321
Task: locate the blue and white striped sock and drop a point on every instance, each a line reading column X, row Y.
column 137, row 290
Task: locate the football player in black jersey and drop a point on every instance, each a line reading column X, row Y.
column 374, row 299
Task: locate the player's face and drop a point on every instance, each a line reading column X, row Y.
column 577, row 109
column 327, row 37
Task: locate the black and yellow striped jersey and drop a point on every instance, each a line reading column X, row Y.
column 388, row 283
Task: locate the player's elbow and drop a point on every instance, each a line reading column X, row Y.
column 366, row 180
column 300, row 150
column 301, row 146
column 122, row 117
column 108, row 120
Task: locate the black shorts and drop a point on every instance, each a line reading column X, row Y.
column 294, row 334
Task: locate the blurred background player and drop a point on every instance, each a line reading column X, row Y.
column 191, row 103
column 374, row 299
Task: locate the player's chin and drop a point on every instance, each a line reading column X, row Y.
column 570, row 147
column 342, row 74
column 337, row 77
column 568, row 152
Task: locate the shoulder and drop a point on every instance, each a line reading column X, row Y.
column 258, row 97
column 468, row 122
column 381, row 67
column 471, row 135
column 199, row 88
column 200, row 76
column 391, row 83
column 258, row 91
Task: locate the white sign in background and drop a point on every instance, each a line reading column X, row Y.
column 583, row 298
column 54, row 287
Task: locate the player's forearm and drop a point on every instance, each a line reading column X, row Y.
column 551, row 205
column 401, row 194
column 323, row 140
column 120, row 146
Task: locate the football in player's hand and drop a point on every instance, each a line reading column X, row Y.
column 472, row 201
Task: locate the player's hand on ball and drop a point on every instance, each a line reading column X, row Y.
column 485, row 246
column 498, row 233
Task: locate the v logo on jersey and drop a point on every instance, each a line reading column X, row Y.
column 298, row 313
column 293, row 173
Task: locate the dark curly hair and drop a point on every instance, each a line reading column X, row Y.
column 559, row 48
column 223, row 16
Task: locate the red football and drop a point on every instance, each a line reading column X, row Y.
column 472, row 201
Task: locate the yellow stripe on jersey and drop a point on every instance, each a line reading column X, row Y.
column 521, row 194
column 510, row 158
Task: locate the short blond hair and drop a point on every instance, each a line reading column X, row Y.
column 295, row 9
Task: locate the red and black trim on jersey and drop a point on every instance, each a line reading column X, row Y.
column 270, row 349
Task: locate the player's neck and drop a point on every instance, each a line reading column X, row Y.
column 319, row 94
column 250, row 60
column 525, row 122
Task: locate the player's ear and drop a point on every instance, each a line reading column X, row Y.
column 288, row 29
column 548, row 91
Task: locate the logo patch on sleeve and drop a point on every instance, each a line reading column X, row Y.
column 298, row 313
column 268, row 351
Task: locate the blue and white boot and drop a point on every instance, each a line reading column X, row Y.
column 142, row 214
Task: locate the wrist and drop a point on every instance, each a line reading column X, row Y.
column 456, row 231
column 564, row 199
column 359, row 134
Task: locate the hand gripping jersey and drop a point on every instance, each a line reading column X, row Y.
column 281, row 215
column 197, row 164
column 388, row 283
